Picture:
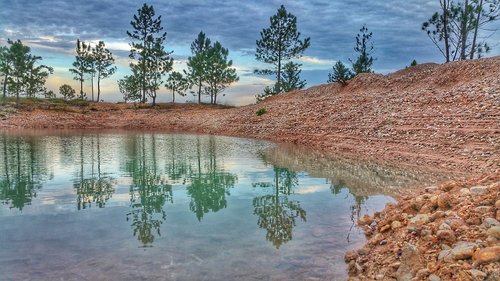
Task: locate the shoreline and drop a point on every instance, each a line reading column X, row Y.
column 435, row 117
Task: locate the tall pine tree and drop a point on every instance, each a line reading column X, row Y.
column 197, row 62
column 103, row 61
column 280, row 43
column 152, row 59
column 364, row 47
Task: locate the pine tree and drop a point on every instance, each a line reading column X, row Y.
column 80, row 65
column 152, row 59
column 341, row 74
column 280, row 43
column 5, row 68
column 20, row 56
column 364, row 47
column 197, row 62
column 104, row 68
column 177, row 83
column 130, row 87
column 36, row 75
column 291, row 77
column 218, row 71
column 67, row 92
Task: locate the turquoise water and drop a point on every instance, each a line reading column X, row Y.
column 153, row 206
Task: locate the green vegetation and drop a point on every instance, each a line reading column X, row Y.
column 177, row 83
column 454, row 29
column 67, row 92
column 280, row 43
column 261, row 111
column 148, row 49
column 341, row 74
column 364, row 47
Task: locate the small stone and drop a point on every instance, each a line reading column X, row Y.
column 446, row 236
column 476, row 274
column 379, row 276
column 490, row 240
column 489, row 222
column 419, row 219
column 395, row 265
column 444, row 201
column 497, row 204
column 445, row 247
column 487, row 255
column 434, row 277
column 350, row 255
column 422, row 273
column 363, row 252
column 385, row 228
column 494, row 231
column 373, row 224
column 395, row 224
column 431, row 189
column 477, row 190
column 445, row 255
column 383, row 242
column 437, row 215
column 410, row 263
column 365, row 220
column 463, row 250
column 483, row 209
column 444, row 226
column 434, row 200
column 464, row 191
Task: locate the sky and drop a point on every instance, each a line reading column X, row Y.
column 51, row 28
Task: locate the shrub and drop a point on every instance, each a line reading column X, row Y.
column 261, row 111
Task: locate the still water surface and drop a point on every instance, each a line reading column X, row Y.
column 153, row 206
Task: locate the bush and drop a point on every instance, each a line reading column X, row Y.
column 261, row 111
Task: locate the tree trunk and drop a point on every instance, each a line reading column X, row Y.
column 98, row 88
column 173, row 96
column 279, row 72
column 215, row 98
column 445, row 29
column 480, row 9
column 92, row 85
column 199, row 92
column 5, row 87
column 154, row 98
column 81, row 87
column 463, row 30
column 17, row 94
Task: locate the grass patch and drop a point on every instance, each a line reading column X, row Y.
column 261, row 112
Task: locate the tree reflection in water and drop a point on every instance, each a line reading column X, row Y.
column 22, row 171
column 276, row 213
column 148, row 193
column 357, row 206
column 209, row 185
column 92, row 186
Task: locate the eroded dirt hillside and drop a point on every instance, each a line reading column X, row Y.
column 438, row 116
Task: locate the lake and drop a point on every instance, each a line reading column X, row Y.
column 156, row 206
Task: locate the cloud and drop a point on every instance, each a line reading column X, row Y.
column 51, row 27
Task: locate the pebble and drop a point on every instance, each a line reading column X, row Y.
column 476, row 274
column 494, row 231
column 497, row 204
column 477, row 190
column 444, row 201
column 434, row 277
column 489, row 222
column 419, row 219
column 483, row 209
column 395, row 224
column 463, row 250
column 465, row 191
column 446, row 235
column 437, row 215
